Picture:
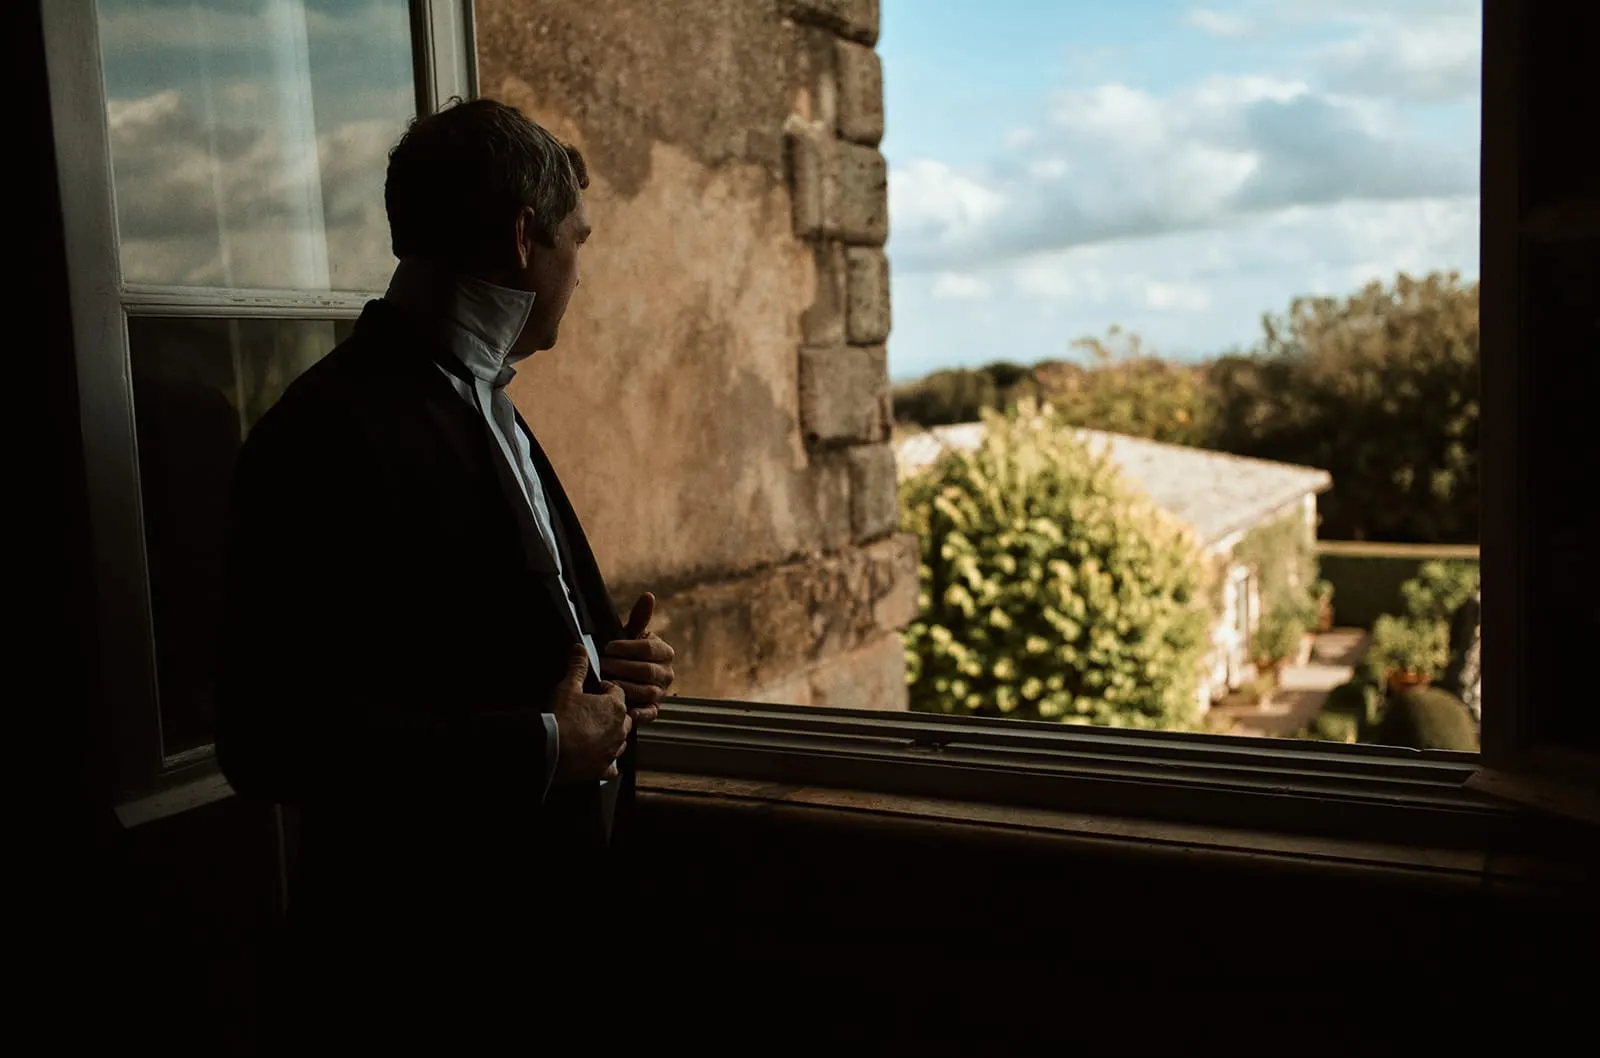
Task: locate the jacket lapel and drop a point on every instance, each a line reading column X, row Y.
column 470, row 438
column 589, row 591
column 600, row 617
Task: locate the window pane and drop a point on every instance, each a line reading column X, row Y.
column 1256, row 300
column 249, row 138
column 198, row 387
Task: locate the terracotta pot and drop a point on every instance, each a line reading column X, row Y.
column 1268, row 666
column 1400, row 680
column 1324, row 615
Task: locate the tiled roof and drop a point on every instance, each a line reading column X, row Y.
column 1215, row 493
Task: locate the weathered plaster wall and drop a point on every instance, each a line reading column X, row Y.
column 718, row 403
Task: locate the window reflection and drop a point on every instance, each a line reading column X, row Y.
column 249, row 138
column 199, row 385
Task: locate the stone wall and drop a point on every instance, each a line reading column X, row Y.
column 718, row 405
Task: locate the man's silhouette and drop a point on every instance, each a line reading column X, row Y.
column 419, row 651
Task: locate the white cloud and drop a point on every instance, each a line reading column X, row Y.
column 1184, row 213
column 1189, row 297
column 1049, row 168
column 1070, row 277
column 1119, row 278
column 1222, row 149
column 245, row 204
column 246, row 54
column 1357, row 10
column 932, row 203
column 1186, row 293
column 227, row 170
column 185, row 26
column 958, row 286
column 1217, row 23
column 1347, row 243
column 1432, row 59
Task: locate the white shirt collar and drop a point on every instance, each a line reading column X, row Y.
column 479, row 319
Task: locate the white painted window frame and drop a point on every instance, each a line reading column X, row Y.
column 445, row 63
column 1240, row 588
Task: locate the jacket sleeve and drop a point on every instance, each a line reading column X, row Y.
column 297, row 719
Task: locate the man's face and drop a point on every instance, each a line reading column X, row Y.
column 551, row 273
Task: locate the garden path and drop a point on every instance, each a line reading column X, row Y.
column 1301, row 688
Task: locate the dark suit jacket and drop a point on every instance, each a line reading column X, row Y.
column 389, row 644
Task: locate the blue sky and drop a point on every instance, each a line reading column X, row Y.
column 1177, row 169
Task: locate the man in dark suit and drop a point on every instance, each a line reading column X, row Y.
column 419, row 652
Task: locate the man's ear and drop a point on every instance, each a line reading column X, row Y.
column 527, row 235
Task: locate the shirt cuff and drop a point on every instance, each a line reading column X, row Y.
column 552, row 749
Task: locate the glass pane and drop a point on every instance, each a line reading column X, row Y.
column 249, row 138
column 1254, row 297
column 198, row 387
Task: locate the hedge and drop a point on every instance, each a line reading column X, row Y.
column 1428, row 718
column 1366, row 578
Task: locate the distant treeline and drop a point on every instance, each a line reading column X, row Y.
column 1380, row 388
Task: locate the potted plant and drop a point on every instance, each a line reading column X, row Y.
column 1411, row 652
column 1322, row 598
column 1277, row 639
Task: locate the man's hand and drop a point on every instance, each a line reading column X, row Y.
column 593, row 727
column 641, row 663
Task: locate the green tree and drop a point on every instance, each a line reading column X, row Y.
column 1419, row 640
column 944, row 397
column 1408, row 644
column 1006, row 374
column 1439, row 589
column 961, row 394
column 1379, row 388
column 1122, row 388
column 1049, row 589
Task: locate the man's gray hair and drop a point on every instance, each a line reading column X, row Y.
column 458, row 178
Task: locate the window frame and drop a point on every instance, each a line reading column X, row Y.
column 1516, row 757
column 444, row 64
column 1362, row 791
column 1389, row 795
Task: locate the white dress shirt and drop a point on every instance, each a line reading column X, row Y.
column 479, row 322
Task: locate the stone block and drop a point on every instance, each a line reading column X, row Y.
column 844, row 397
column 895, row 587
column 872, row 677
column 710, row 630
column 874, row 491
column 855, row 194
column 823, row 323
column 859, row 93
column 867, row 293
column 809, row 180
column 838, row 189
column 817, row 64
column 794, row 689
column 759, row 636
column 855, row 19
column 828, row 494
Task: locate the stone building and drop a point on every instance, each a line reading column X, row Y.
column 727, row 340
